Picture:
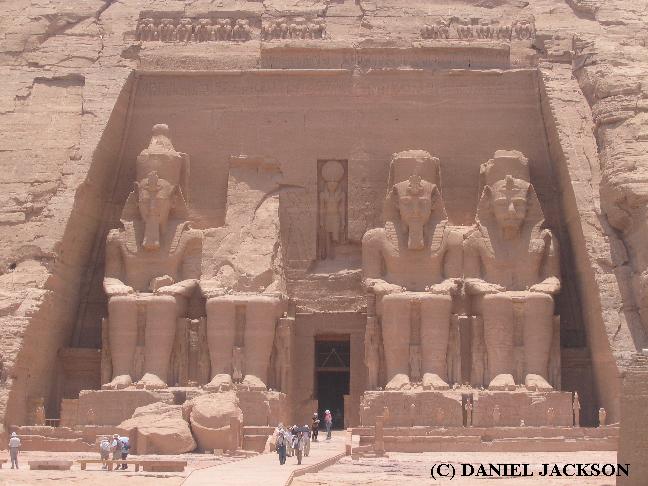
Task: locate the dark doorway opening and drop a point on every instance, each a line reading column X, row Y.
column 332, row 375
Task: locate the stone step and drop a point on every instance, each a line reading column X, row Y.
column 255, row 442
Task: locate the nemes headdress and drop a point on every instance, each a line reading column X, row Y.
column 408, row 162
column 505, row 163
column 160, row 164
column 161, row 157
column 413, row 172
column 509, row 166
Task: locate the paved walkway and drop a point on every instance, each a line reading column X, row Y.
column 264, row 469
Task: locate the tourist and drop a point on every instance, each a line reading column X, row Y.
column 298, row 444
column 280, row 443
column 125, row 448
column 307, row 433
column 328, row 422
column 116, row 448
column 104, row 450
column 315, row 426
column 14, row 448
column 289, row 440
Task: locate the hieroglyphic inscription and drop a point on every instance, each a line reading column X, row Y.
column 492, row 56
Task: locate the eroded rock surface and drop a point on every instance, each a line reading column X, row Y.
column 164, row 428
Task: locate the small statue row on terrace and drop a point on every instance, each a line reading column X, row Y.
column 284, row 28
column 187, row 30
column 521, row 30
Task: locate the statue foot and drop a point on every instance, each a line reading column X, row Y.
column 537, row 382
column 152, row 382
column 432, row 381
column 220, row 382
column 253, row 383
column 398, row 382
column 502, row 382
column 118, row 383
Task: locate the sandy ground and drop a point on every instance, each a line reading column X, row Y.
column 95, row 476
column 414, row 469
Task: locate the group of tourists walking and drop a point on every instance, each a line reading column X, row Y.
column 296, row 440
column 118, row 446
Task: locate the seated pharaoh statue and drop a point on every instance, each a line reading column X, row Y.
column 245, row 290
column 152, row 264
column 410, row 263
column 512, row 272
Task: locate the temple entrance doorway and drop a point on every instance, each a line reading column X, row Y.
column 332, row 375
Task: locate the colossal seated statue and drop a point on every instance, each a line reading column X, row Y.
column 152, row 264
column 511, row 268
column 245, row 293
column 408, row 263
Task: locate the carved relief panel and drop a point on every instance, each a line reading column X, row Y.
column 332, row 190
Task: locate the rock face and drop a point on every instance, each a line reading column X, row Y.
column 563, row 81
column 163, row 428
column 210, row 417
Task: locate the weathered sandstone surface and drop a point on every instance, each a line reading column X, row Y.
column 164, row 428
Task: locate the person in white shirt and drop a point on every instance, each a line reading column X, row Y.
column 14, row 448
column 104, row 450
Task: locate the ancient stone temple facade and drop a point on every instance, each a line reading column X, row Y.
column 261, row 210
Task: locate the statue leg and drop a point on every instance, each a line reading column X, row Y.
column 435, row 333
column 538, row 334
column 498, row 336
column 221, row 314
column 261, row 315
column 396, row 339
column 122, row 334
column 161, row 316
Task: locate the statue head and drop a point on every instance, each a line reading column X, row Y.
column 161, row 178
column 160, row 156
column 154, row 200
column 508, row 196
column 413, row 199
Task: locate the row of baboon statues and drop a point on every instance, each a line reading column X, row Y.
column 521, row 30
column 284, row 28
column 187, row 30
column 204, row 29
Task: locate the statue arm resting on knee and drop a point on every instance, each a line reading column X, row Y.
column 551, row 268
column 475, row 284
column 372, row 264
column 113, row 284
column 190, row 270
column 452, row 266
